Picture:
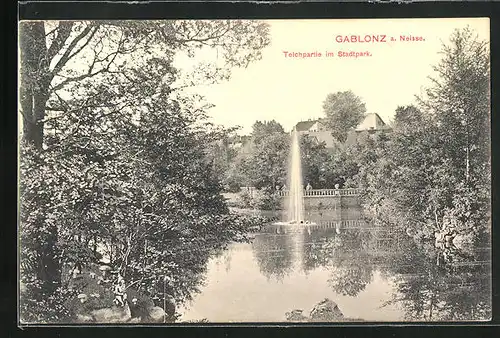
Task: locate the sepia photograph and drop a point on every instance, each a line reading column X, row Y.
column 254, row 171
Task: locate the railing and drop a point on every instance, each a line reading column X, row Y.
column 344, row 224
column 324, row 192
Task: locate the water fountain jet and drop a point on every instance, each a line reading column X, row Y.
column 294, row 202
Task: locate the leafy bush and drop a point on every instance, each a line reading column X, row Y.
column 267, row 199
column 245, row 199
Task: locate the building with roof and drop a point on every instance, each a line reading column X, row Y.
column 318, row 129
column 372, row 122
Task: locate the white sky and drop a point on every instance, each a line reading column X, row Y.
column 289, row 90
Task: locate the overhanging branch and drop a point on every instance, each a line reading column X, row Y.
column 67, row 53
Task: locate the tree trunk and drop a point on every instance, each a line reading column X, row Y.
column 467, row 164
column 95, row 246
column 467, row 152
column 431, row 306
column 35, row 80
column 436, row 219
column 49, row 268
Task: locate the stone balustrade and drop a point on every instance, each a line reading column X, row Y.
column 324, row 192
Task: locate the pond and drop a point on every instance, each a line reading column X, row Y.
column 371, row 273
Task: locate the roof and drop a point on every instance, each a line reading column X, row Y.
column 305, row 125
column 371, row 122
column 324, row 136
column 351, row 139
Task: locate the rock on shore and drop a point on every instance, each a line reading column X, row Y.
column 325, row 311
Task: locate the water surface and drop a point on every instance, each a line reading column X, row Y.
column 372, row 273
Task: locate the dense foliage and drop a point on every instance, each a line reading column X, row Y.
column 344, row 111
column 113, row 161
column 436, row 164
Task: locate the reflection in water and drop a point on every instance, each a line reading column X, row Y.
column 368, row 270
column 274, row 250
column 459, row 290
column 352, row 269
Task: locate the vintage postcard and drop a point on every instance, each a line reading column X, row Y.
column 254, row 171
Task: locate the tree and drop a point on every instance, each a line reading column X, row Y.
column 263, row 129
column 436, row 162
column 263, row 161
column 410, row 117
column 401, row 174
column 341, row 167
column 459, row 101
column 344, row 111
column 222, row 154
column 267, row 165
column 314, row 157
column 50, row 52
